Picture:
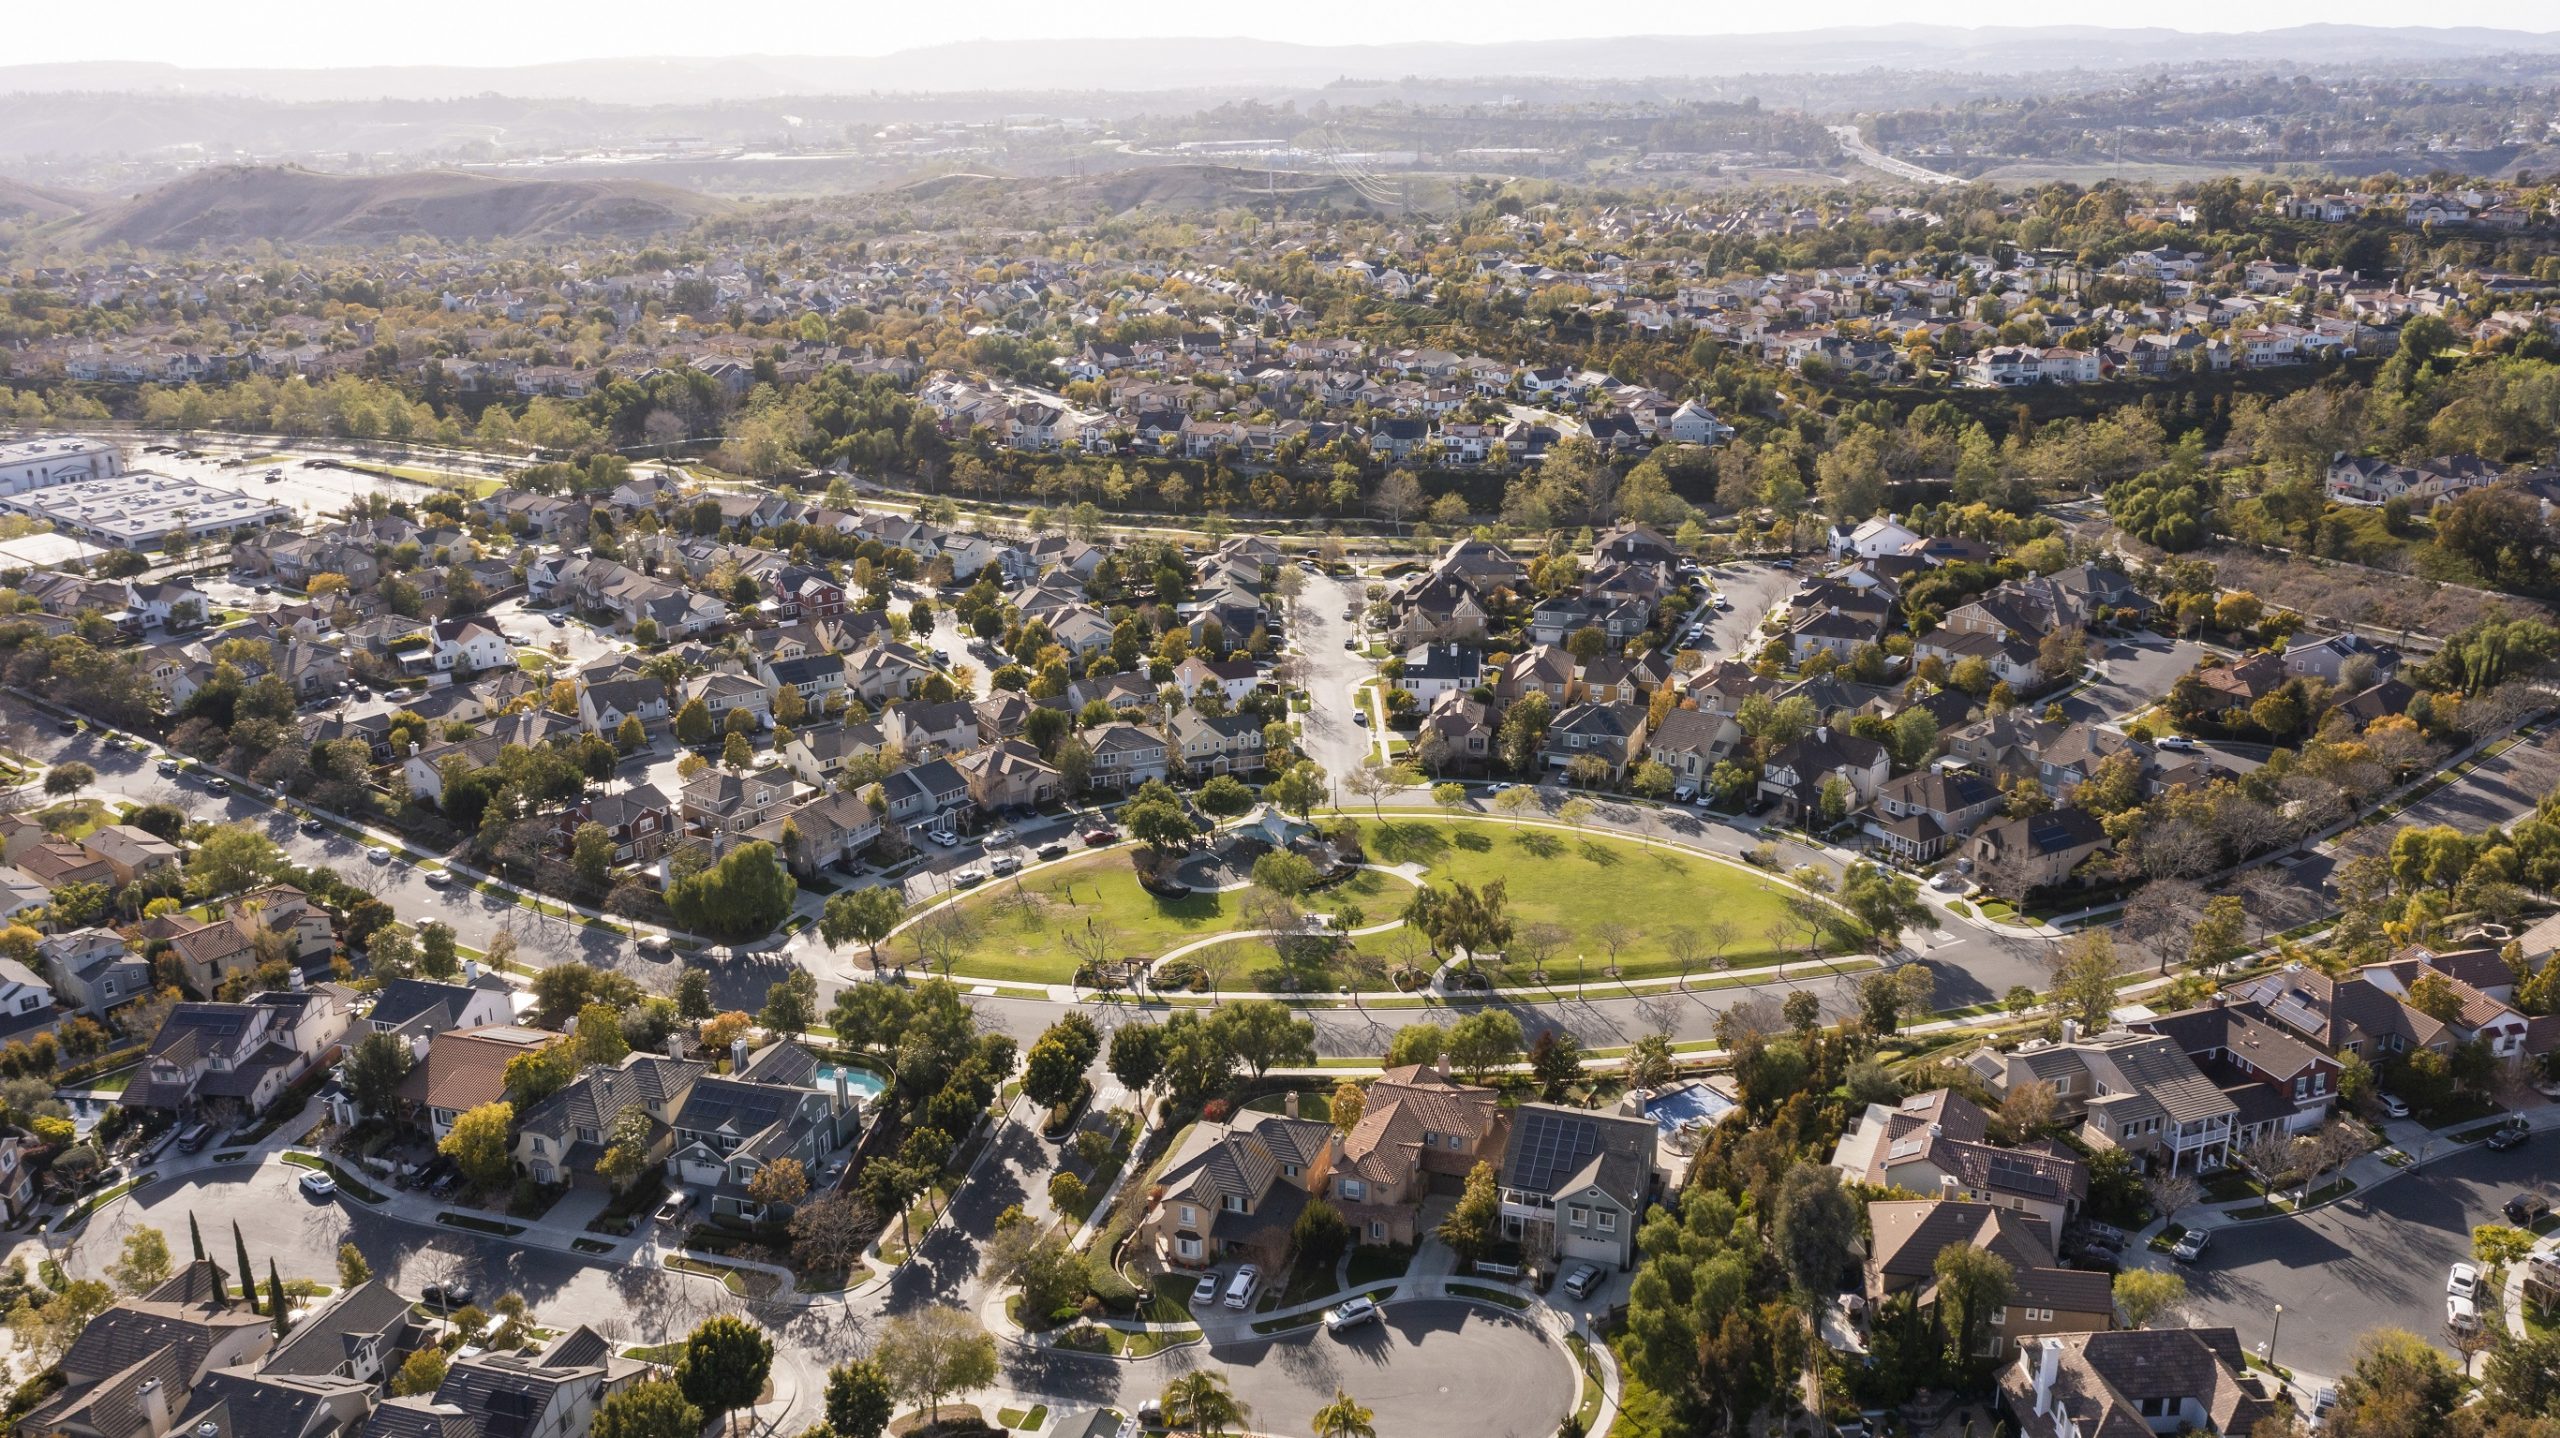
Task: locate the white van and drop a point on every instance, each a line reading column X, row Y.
column 1240, row 1288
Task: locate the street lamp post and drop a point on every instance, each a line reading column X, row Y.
column 2273, row 1335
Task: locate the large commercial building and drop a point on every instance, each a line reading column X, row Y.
column 140, row 509
column 32, row 464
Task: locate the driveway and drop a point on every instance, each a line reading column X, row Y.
column 2369, row 1262
column 2134, row 673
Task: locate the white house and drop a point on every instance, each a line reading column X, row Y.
column 471, row 644
column 1878, row 536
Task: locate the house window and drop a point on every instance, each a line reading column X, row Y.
column 1608, row 1221
column 1235, row 1204
column 1288, row 1170
column 2000, row 1318
column 1353, row 1189
column 1187, row 1247
column 1578, row 1214
column 1190, row 1215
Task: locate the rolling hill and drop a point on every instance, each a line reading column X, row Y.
column 236, row 203
column 19, row 201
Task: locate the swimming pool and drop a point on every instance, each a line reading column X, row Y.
column 1674, row 1109
column 861, row 1083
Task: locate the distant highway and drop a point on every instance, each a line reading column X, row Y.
column 1866, row 154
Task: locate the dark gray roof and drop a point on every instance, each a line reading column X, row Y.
column 327, row 1339
column 1552, row 1149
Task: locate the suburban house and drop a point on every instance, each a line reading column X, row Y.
column 1225, row 744
column 2280, row 1083
column 417, row 1010
column 1611, row 733
column 1235, row 1190
column 237, row 1058
column 730, row 1127
column 1006, row 775
column 1418, row 1134
column 1922, row 814
column 1938, row 1143
column 1431, row 670
column 2035, row 851
column 359, row 1334
column 830, row 829
column 553, row 1394
column 93, row 970
column 921, row 793
column 2045, row 1296
column 465, row 1068
column 1796, row 775
column 2134, row 1091
column 131, row 853
column 560, row 1139
column 1576, row 1184
column 136, row 1365
column 1124, row 756
column 2131, row 1382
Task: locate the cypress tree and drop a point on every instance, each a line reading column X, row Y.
column 248, row 1275
column 275, row 1297
column 195, row 1236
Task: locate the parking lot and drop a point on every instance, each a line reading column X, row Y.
column 2369, row 1262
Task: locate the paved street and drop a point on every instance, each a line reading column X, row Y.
column 2368, row 1262
column 1329, row 736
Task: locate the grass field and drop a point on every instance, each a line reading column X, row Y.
column 1580, row 882
column 1018, row 930
column 1577, row 882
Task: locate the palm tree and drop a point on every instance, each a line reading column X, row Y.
column 1344, row 1418
column 1200, row 1402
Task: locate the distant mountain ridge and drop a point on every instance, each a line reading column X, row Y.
column 230, row 204
column 1186, row 63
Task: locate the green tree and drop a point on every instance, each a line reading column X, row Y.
column 654, row 1409
column 746, row 892
column 2145, row 1293
column 591, row 854
column 791, row 1004
column 866, row 915
column 69, row 777
column 626, row 1148
column 144, row 1261
column 2084, row 971
column 1265, row 1033
column 600, row 1039
column 1483, row 1041
column 859, row 1404
column 230, row 858
column 933, row 1352
column 693, row 724
column 1201, row 1402
column 352, row 1269
column 1475, row 1224
column 1555, row 1060
column 478, row 1143
column 1417, row 1043
column 1320, row 1234
column 726, row 1360
column 2399, row 1385
column 1974, row 1285
column 1814, row 1228
column 1344, row 1418
column 376, row 1067
column 421, row 1375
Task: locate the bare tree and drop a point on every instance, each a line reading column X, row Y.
column 1686, row 948
column 2170, row 1192
column 942, row 936
column 1615, row 936
column 1720, row 934
column 1537, row 944
column 1661, row 1015
column 2028, row 1108
column 1093, row 946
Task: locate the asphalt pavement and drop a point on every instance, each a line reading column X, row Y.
column 2375, row 1259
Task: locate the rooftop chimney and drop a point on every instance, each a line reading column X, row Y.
column 1443, row 1067
column 2048, row 1367
column 2070, row 1031
column 155, row 1404
column 1289, row 1103
column 738, row 1054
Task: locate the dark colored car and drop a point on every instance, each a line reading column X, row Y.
column 2510, row 1136
column 1053, row 850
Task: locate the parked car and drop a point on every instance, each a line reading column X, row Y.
column 2391, row 1104
column 1055, row 849
column 1360, row 717
column 1351, row 1315
column 995, row 839
column 2510, row 1135
column 218, row 784
column 2461, row 1315
column 2192, row 1246
column 1581, row 1279
column 312, row 826
column 1204, row 1294
column 439, row 878
column 1004, row 865
column 1096, row 838
column 2178, row 742
column 168, row 768
column 2463, row 1281
column 969, row 878
column 678, row 1204
column 1351, row 643
column 2525, row 1210
column 318, row 1185
column 377, row 856
column 1240, row 1288
column 447, row 1296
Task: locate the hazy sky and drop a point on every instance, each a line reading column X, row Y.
column 505, row 32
